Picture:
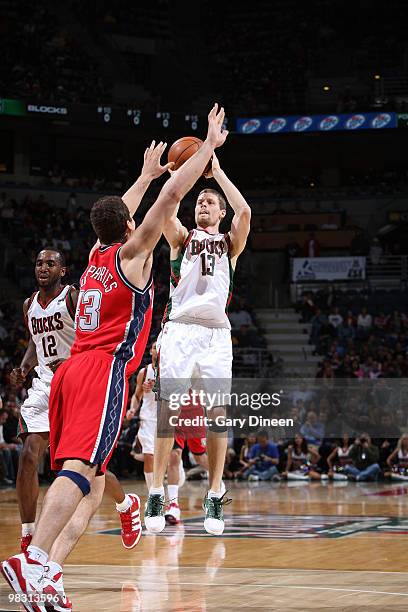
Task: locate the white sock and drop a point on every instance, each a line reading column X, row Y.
column 149, row 479
column 37, row 554
column 27, row 529
column 156, row 491
column 125, row 505
column 53, row 568
column 173, row 493
column 214, row 494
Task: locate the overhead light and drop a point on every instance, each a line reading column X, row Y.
column 377, row 77
column 326, row 87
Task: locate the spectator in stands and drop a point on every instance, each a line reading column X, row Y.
column 311, row 247
column 263, row 459
column 387, row 441
column 364, row 456
column 364, row 321
column 308, row 307
column 318, row 321
column 380, row 322
column 335, row 318
column 313, row 429
column 238, row 317
column 376, row 252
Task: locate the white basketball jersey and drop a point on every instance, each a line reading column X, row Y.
column 148, row 410
column 201, row 281
column 52, row 330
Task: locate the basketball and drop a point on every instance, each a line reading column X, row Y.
column 181, row 150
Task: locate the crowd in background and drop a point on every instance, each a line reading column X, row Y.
column 358, row 334
column 47, row 52
column 43, row 61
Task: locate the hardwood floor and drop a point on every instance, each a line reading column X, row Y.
column 300, row 547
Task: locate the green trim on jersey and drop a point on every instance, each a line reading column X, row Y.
column 22, row 426
column 175, row 267
column 167, row 310
column 231, row 285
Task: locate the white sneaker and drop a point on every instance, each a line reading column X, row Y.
column 253, row 477
column 173, row 514
column 25, row 576
column 214, row 514
column 154, row 513
column 54, row 585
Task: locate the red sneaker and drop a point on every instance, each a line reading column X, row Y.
column 25, row 576
column 25, row 542
column 172, row 514
column 131, row 525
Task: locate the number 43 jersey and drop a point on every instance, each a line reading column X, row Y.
column 201, row 281
column 51, row 327
column 112, row 315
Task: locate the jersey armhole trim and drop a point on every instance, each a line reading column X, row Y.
column 187, row 240
column 126, row 281
column 69, row 303
column 30, row 301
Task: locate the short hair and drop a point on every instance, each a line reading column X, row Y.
column 54, row 250
column 109, row 217
column 262, row 434
column 221, row 200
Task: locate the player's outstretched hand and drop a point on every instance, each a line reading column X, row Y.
column 215, row 167
column 152, row 167
column 54, row 365
column 216, row 135
column 17, row 377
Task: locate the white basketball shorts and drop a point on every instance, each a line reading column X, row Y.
column 34, row 411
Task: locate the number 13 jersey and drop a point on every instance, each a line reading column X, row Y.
column 112, row 315
column 51, row 327
column 201, row 281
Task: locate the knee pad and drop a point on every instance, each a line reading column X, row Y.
column 216, row 425
column 78, row 479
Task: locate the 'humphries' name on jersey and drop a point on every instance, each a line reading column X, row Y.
column 102, row 275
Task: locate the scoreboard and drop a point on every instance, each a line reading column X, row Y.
column 103, row 114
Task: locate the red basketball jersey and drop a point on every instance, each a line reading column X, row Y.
column 112, row 315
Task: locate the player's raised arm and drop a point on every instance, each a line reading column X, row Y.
column 149, row 232
column 174, row 231
column 241, row 221
column 151, row 170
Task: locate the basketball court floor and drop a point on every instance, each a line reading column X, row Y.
column 293, row 546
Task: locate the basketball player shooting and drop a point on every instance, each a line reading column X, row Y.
column 89, row 391
column 196, row 337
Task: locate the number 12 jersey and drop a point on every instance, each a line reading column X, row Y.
column 51, row 328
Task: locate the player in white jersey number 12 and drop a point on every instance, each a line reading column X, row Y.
column 196, row 337
column 49, row 315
